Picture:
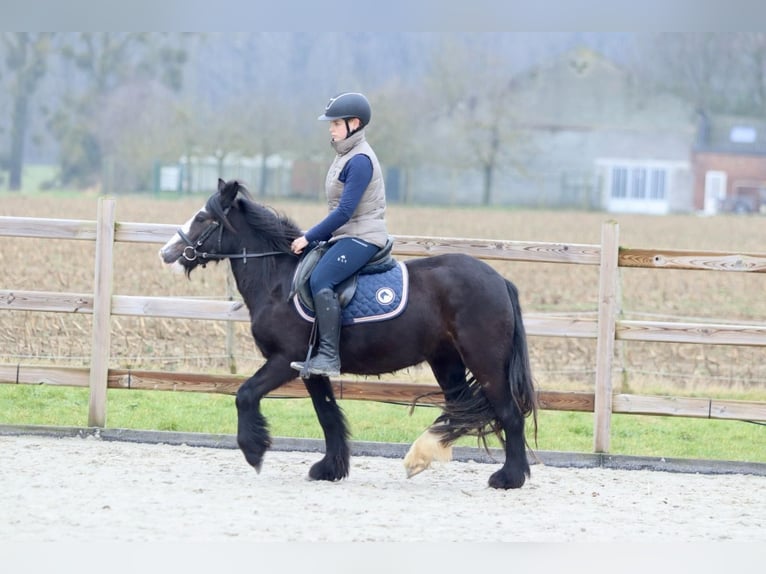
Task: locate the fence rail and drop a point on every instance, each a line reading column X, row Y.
column 382, row 391
column 605, row 326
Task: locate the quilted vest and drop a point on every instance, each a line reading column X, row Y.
column 368, row 220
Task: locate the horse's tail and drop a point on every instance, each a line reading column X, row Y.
column 519, row 370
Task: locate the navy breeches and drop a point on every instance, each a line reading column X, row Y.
column 344, row 258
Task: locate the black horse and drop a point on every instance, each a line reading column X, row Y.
column 462, row 318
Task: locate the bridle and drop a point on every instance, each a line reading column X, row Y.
column 191, row 251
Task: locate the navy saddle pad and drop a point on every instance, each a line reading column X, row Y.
column 378, row 296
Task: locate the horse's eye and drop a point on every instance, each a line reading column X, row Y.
column 200, row 218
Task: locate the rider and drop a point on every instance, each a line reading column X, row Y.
column 355, row 226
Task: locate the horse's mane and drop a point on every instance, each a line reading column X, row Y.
column 278, row 229
column 274, row 228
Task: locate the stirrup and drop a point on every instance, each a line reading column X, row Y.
column 297, row 365
column 309, row 368
column 326, row 370
column 302, row 367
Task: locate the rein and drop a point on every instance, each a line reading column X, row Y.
column 190, row 252
column 244, row 255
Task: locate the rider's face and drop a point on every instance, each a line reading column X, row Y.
column 338, row 128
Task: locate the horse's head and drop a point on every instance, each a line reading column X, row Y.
column 199, row 239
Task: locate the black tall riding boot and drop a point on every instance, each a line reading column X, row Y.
column 327, row 360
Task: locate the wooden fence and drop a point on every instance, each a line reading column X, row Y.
column 606, row 328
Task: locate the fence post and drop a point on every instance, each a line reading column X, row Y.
column 607, row 311
column 102, row 306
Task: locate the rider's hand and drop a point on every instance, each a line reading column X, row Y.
column 299, row 244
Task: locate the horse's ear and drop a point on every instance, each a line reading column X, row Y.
column 228, row 191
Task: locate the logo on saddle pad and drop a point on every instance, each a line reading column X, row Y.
column 371, row 297
column 385, row 295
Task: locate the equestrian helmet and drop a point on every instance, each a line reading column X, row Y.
column 348, row 105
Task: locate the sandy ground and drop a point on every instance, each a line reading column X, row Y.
column 87, row 489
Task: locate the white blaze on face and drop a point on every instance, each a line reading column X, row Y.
column 175, row 265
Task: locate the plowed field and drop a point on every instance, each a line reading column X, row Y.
column 558, row 363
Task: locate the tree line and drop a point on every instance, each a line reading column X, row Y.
column 121, row 101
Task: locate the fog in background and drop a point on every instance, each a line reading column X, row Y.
column 102, row 105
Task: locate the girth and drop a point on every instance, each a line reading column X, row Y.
column 380, row 262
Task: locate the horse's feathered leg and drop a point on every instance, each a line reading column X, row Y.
column 513, row 402
column 434, row 444
column 335, row 464
column 252, row 430
column 499, row 394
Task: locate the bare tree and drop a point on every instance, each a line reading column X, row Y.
column 472, row 82
column 106, row 62
column 714, row 70
column 752, row 47
column 27, row 56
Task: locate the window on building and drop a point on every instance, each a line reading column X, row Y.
column 619, row 182
column 657, row 184
column 639, row 182
column 743, row 134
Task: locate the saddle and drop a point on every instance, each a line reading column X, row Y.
column 382, row 261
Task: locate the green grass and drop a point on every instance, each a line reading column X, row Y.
column 34, row 177
column 672, row 437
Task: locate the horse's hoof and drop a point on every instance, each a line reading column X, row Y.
column 413, row 472
column 426, row 449
column 254, row 457
column 324, row 470
column 255, row 462
column 414, row 464
column 502, row 481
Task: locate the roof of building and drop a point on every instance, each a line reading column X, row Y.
column 736, row 135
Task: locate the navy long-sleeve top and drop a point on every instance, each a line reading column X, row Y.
column 356, row 176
